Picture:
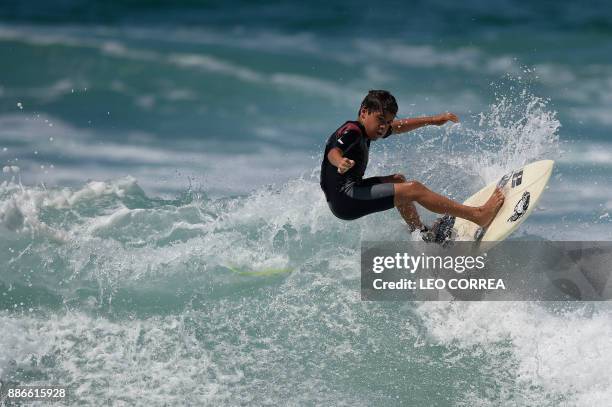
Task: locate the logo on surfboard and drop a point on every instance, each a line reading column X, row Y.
column 521, row 207
column 517, row 179
column 504, row 180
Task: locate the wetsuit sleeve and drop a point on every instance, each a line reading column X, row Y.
column 346, row 139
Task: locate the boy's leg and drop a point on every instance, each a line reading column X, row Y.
column 411, row 216
column 406, row 209
column 413, row 191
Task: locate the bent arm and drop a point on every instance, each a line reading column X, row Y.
column 337, row 159
column 335, row 156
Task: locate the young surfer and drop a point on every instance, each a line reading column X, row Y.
column 350, row 196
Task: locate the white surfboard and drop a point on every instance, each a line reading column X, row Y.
column 522, row 189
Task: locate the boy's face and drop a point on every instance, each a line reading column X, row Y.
column 375, row 123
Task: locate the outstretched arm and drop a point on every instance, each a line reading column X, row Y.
column 409, row 124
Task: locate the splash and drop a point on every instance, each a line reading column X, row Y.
column 513, row 132
column 198, row 284
column 516, row 129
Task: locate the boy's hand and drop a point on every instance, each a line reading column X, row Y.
column 345, row 165
column 442, row 118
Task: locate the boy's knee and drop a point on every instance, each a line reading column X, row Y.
column 410, row 189
column 413, row 185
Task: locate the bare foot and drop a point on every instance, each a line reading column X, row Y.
column 486, row 213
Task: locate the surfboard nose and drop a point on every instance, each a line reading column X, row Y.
column 522, row 189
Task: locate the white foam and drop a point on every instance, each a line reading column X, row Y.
column 420, row 55
column 554, row 74
column 199, row 61
column 317, row 86
column 426, row 56
column 8, row 169
column 18, row 343
column 133, row 361
column 565, row 354
column 149, row 163
column 19, row 213
column 588, row 153
column 267, row 40
column 512, row 133
column 212, row 64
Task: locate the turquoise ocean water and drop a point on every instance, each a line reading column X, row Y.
column 149, row 149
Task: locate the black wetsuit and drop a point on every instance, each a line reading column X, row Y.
column 349, row 195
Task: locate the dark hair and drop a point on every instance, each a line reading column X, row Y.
column 379, row 101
